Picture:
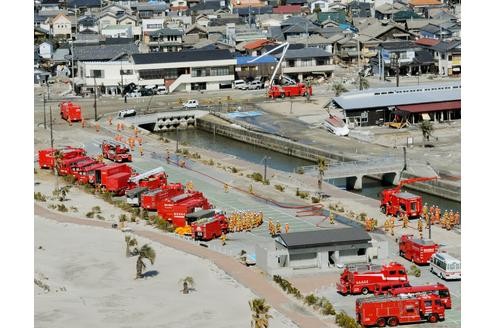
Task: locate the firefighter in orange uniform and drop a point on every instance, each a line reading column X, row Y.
column 286, row 228
column 457, row 218
column 97, row 126
column 223, row 237
column 225, row 187
column 83, row 123
column 279, row 227
column 141, row 151
column 331, row 218
column 109, row 120
column 140, row 141
column 420, row 228
column 405, row 220
column 135, row 132
column 386, row 225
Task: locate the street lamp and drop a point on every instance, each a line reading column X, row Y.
column 264, row 160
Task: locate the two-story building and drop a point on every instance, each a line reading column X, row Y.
column 151, row 24
column 186, row 70
column 305, row 62
column 61, row 26
column 164, row 40
column 117, row 31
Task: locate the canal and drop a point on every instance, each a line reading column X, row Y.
column 282, row 162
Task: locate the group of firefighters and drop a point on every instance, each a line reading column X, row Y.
column 244, row 220
column 276, row 228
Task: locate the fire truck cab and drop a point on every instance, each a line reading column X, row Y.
column 417, row 250
column 46, row 157
column 70, row 112
column 299, row 89
column 116, row 151
column 439, row 289
column 362, row 279
column 393, row 310
column 209, row 228
column 405, row 202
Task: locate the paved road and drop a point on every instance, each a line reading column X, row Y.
column 248, row 277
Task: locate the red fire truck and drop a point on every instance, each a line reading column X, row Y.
column 114, row 177
column 282, row 91
column 209, row 228
column 115, row 151
column 151, row 179
column 151, row 199
column 361, row 279
column 76, row 167
column 70, row 112
column 87, row 173
column 417, row 250
column 64, row 167
column 175, row 209
column 46, row 157
column 382, row 310
column 439, row 289
column 394, row 202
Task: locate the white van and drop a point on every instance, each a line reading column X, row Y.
column 445, row 266
column 161, row 90
column 240, row 84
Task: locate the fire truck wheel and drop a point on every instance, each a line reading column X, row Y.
column 282, row 95
column 401, row 253
column 433, row 318
column 383, row 209
column 381, row 322
column 305, row 94
column 364, row 291
column 441, row 275
column 393, row 321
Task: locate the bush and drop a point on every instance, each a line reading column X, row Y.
column 96, row 209
column 107, row 197
column 256, row 176
column 90, row 215
column 122, row 218
column 39, row 197
column 310, row 299
column 196, row 156
column 327, row 307
column 362, row 216
column 414, row 271
column 211, row 162
column 303, row 194
column 345, row 321
column 315, row 200
column 100, row 217
column 300, row 170
column 74, row 209
column 279, row 188
column 62, row 208
column 52, row 206
column 234, row 169
column 266, row 182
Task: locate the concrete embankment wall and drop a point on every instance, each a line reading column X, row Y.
column 292, row 148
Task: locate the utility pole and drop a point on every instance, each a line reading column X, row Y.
column 291, row 100
column 359, row 65
column 51, row 128
column 72, row 51
column 429, row 228
column 95, row 106
column 177, row 138
column 44, row 111
column 397, row 68
column 264, row 160
column 405, row 160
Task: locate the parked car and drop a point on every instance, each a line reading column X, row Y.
column 255, row 85
column 240, row 84
column 127, row 112
column 161, row 90
column 192, row 103
column 146, row 92
column 134, row 94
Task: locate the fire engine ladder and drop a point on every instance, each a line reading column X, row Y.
column 146, row 174
column 364, row 267
column 285, row 47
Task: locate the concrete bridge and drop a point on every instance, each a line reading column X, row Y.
column 167, row 121
column 389, row 168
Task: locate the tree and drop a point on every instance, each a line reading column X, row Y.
column 317, row 9
column 427, row 129
column 130, row 242
column 365, row 84
column 145, row 252
column 259, row 313
column 339, row 89
column 187, row 284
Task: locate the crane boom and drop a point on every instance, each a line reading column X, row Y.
column 285, row 46
column 413, row 180
column 147, row 174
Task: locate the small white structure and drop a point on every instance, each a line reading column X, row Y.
column 46, row 50
column 117, row 31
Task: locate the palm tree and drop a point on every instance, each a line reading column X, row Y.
column 321, row 171
column 129, row 242
column 427, row 129
column 187, row 284
column 339, row 89
column 365, row 84
column 145, row 252
column 259, row 313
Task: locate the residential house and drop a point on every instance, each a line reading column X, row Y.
column 164, row 40
column 236, row 4
column 254, row 48
column 61, row 26
column 262, row 68
column 324, row 5
column 387, row 10
column 117, row 31
column 409, row 57
column 206, row 8
column 194, row 34
column 447, row 55
column 202, row 20
column 431, row 31
column 423, row 6
column 130, row 20
column 288, row 10
column 87, row 23
column 296, row 2
column 359, row 9
column 186, row 70
column 50, row 5
column 83, row 5
column 107, row 18
column 151, row 24
column 383, row 30
column 179, row 6
column 314, row 41
column 302, row 63
column 46, row 50
column 298, row 26
column 40, row 35
column 324, row 18
column 152, row 9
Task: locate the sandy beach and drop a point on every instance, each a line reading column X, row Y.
column 91, row 283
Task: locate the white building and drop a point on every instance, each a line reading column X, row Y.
column 46, row 50
column 117, row 31
column 112, row 75
column 152, row 24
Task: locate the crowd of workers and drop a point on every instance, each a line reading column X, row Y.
column 244, row 220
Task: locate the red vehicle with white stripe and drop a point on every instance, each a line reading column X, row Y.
column 417, row 250
column 151, row 198
column 439, row 289
column 362, row 279
column 46, row 157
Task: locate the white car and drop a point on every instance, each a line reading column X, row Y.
column 255, row 85
column 161, row 90
column 192, row 103
column 127, row 112
column 134, row 94
column 240, row 84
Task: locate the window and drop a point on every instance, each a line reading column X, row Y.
column 393, row 272
column 401, row 272
column 443, row 293
column 126, row 72
column 427, row 303
column 96, row 73
column 361, row 251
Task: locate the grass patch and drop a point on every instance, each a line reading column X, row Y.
column 279, row 187
column 315, row 200
column 39, row 197
column 62, row 208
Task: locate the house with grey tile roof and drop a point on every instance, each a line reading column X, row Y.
column 307, row 62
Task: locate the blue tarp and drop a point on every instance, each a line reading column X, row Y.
column 244, row 114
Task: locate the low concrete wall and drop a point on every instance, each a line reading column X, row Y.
column 292, row 148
